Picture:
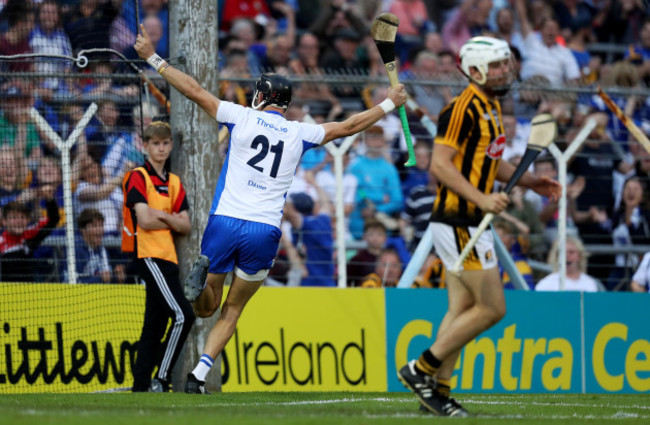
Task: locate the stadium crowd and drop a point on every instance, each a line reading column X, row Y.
column 387, row 205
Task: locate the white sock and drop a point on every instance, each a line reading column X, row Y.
column 201, row 370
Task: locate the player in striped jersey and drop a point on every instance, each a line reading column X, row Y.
column 243, row 231
column 465, row 160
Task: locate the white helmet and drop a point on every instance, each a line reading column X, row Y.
column 479, row 52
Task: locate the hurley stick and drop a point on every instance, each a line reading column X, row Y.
column 383, row 31
column 543, row 131
column 635, row 131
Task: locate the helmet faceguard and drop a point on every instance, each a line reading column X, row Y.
column 479, row 53
column 275, row 89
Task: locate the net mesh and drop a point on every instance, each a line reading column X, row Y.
column 72, row 111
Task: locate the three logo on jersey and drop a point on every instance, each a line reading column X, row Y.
column 495, row 149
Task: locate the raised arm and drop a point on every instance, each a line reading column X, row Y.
column 522, row 15
column 363, row 120
column 182, row 82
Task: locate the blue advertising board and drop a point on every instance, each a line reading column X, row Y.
column 547, row 342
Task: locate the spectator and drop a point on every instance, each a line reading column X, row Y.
column 431, row 98
column 282, row 22
column 622, row 74
column 89, row 25
column 47, row 183
column 641, row 163
column 142, row 116
column 16, row 128
column 413, row 17
column 413, row 24
column 249, row 9
column 100, row 85
column 469, row 20
column 93, row 259
column 576, row 265
column 236, row 65
column 289, row 266
column 306, row 63
column 327, row 180
column 508, row 235
column 121, row 33
column 379, row 186
column 387, row 271
column 111, row 145
column 160, row 10
column 363, row 262
column 278, row 54
column 419, row 174
column 15, row 41
column 390, row 122
column 242, row 36
column 415, row 217
column 532, row 240
column 516, row 134
column 579, row 36
column 595, row 164
column 641, row 279
column 47, row 179
column 12, row 176
column 335, row 18
column 48, row 38
column 620, row 21
column 639, row 53
column 19, row 239
column 543, row 55
column 505, row 21
column 547, row 209
column 312, row 229
column 432, row 274
column 98, row 192
column 572, row 15
column 155, row 29
column 344, row 57
column 433, row 43
column 630, row 226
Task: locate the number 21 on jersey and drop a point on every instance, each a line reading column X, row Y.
column 262, row 142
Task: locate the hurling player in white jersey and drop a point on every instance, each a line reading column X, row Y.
column 243, row 233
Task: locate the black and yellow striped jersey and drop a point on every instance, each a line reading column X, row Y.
column 472, row 125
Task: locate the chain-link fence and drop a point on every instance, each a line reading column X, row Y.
column 57, row 184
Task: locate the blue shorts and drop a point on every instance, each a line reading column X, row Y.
column 230, row 242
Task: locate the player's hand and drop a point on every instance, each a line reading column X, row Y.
column 494, row 202
column 397, row 94
column 143, row 44
column 548, row 187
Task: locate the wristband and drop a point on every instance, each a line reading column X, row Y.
column 156, row 61
column 163, row 68
column 387, row 105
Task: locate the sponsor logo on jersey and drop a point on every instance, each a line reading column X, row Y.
column 495, row 149
column 261, row 122
column 256, row 185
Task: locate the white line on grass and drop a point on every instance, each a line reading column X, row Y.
column 552, row 403
column 317, row 402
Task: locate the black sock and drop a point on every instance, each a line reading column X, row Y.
column 444, row 387
column 427, row 364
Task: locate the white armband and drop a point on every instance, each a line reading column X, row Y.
column 387, row 105
column 156, row 61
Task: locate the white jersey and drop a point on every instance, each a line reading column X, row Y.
column 265, row 150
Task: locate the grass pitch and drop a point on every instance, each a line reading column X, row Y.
column 315, row 408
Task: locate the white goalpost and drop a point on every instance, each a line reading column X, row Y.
column 66, row 170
